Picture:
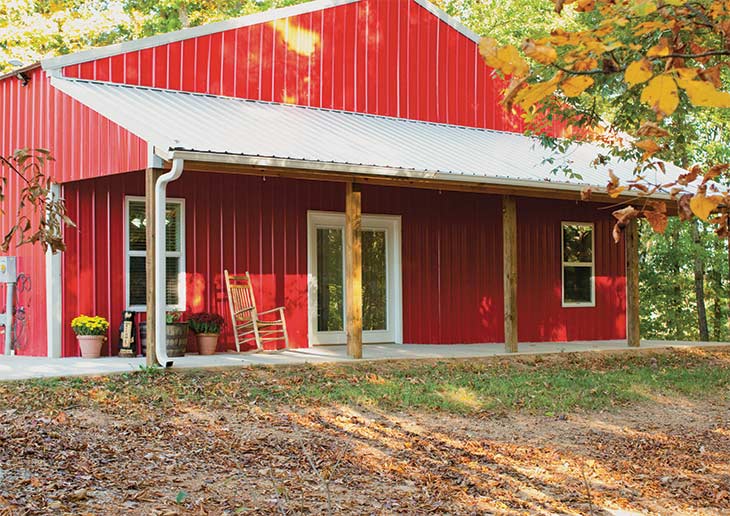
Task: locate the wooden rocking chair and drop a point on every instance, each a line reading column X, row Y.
column 245, row 318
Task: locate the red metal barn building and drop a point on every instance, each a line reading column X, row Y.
column 274, row 119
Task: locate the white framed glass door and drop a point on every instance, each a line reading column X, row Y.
column 381, row 278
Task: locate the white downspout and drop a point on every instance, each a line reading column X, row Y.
column 54, row 299
column 160, row 268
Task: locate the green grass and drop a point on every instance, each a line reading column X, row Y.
column 557, row 384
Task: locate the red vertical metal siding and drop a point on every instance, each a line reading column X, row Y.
column 451, row 255
column 17, row 111
column 386, row 57
column 451, row 250
column 375, row 56
column 83, row 143
column 541, row 315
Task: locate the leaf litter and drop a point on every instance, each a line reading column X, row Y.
column 91, row 447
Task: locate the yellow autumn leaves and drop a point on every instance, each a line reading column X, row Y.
column 638, row 72
column 510, row 62
column 506, row 59
column 662, row 91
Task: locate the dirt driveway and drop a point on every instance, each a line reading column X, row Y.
column 667, row 457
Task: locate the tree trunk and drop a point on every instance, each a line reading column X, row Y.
column 699, row 273
column 182, row 13
column 673, row 318
column 717, row 322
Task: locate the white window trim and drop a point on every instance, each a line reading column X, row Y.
column 182, row 294
column 564, row 264
column 394, row 324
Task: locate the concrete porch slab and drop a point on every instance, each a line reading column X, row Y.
column 18, row 368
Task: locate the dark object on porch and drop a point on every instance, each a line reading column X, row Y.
column 142, row 339
column 127, row 335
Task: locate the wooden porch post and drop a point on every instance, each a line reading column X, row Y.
column 509, row 252
column 151, row 175
column 632, row 284
column 353, row 268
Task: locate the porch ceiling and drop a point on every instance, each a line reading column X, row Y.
column 262, row 134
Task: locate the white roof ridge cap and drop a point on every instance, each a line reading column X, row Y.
column 92, row 54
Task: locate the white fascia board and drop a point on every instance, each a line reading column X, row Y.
column 93, row 54
column 267, row 162
column 449, row 20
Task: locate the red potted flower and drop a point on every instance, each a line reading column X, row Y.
column 207, row 328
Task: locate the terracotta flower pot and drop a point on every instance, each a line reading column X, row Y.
column 90, row 345
column 207, row 343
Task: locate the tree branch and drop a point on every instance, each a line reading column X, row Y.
column 597, row 71
column 7, row 163
column 709, row 53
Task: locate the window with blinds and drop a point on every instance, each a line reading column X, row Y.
column 136, row 255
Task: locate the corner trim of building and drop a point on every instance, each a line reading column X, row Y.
column 449, row 20
column 54, row 333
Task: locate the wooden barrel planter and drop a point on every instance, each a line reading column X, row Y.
column 176, row 345
column 177, row 339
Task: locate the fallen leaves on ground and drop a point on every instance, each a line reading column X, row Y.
column 215, row 454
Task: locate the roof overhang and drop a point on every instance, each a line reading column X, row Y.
column 18, row 71
column 220, row 133
column 385, row 176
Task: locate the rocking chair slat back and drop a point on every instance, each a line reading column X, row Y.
column 245, row 317
column 241, row 294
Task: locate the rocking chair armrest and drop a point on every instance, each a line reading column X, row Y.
column 242, row 311
column 277, row 309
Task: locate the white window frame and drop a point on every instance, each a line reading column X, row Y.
column 394, row 317
column 168, row 254
column 592, row 265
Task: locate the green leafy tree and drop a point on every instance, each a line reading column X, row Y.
column 508, row 21
column 32, row 30
column 640, row 78
column 669, row 305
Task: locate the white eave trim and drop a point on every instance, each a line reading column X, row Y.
column 376, row 171
column 58, row 62
column 93, row 54
column 449, row 20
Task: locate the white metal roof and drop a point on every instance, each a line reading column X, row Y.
column 223, row 129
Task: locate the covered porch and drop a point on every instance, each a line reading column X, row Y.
column 520, row 264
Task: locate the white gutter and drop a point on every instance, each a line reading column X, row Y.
column 378, row 171
column 160, row 268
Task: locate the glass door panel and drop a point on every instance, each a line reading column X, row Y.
column 330, row 280
column 374, row 281
column 380, row 278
